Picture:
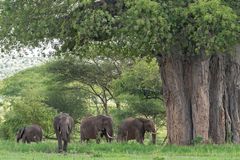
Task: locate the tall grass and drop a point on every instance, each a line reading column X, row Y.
column 131, row 148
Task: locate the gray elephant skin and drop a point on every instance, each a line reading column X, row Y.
column 135, row 128
column 32, row 133
column 63, row 126
column 94, row 127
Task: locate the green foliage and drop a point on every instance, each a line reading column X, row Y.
column 34, row 80
column 139, row 88
column 235, row 5
column 20, row 22
column 39, row 82
column 147, row 107
column 69, row 101
column 93, row 24
column 210, row 26
column 142, row 75
column 146, row 27
column 129, row 28
column 26, row 111
column 197, row 140
column 91, row 76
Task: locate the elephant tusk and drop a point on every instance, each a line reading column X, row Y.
column 154, row 132
column 109, row 136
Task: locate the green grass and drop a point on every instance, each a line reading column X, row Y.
column 47, row 151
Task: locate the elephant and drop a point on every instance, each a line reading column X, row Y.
column 94, row 127
column 135, row 128
column 63, row 126
column 32, row 133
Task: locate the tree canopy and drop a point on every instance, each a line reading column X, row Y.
column 138, row 27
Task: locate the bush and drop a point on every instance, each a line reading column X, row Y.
column 26, row 111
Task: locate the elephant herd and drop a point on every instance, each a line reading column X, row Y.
column 93, row 127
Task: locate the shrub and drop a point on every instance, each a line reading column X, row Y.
column 26, row 111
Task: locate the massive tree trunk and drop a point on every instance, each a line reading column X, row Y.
column 186, row 93
column 179, row 122
column 202, row 97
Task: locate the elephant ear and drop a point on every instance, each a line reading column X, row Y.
column 71, row 123
column 69, row 128
column 98, row 122
column 143, row 122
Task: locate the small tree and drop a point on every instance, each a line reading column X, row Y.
column 140, row 89
column 92, row 76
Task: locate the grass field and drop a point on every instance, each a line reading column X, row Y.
column 47, row 151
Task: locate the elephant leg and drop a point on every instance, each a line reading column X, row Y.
column 106, row 137
column 125, row 136
column 28, row 141
column 59, row 144
column 65, row 143
column 36, row 139
column 109, row 140
column 69, row 139
column 138, row 137
column 24, row 140
column 98, row 138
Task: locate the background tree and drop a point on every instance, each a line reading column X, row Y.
column 139, row 89
column 93, row 76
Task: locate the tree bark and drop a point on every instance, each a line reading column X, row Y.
column 200, row 97
column 224, row 99
column 105, row 108
column 218, row 100
column 179, row 122
column 186, row 94
column 232, row 80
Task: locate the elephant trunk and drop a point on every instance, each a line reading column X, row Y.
column 153, row 137
column 154, row 133
column 64, row 134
